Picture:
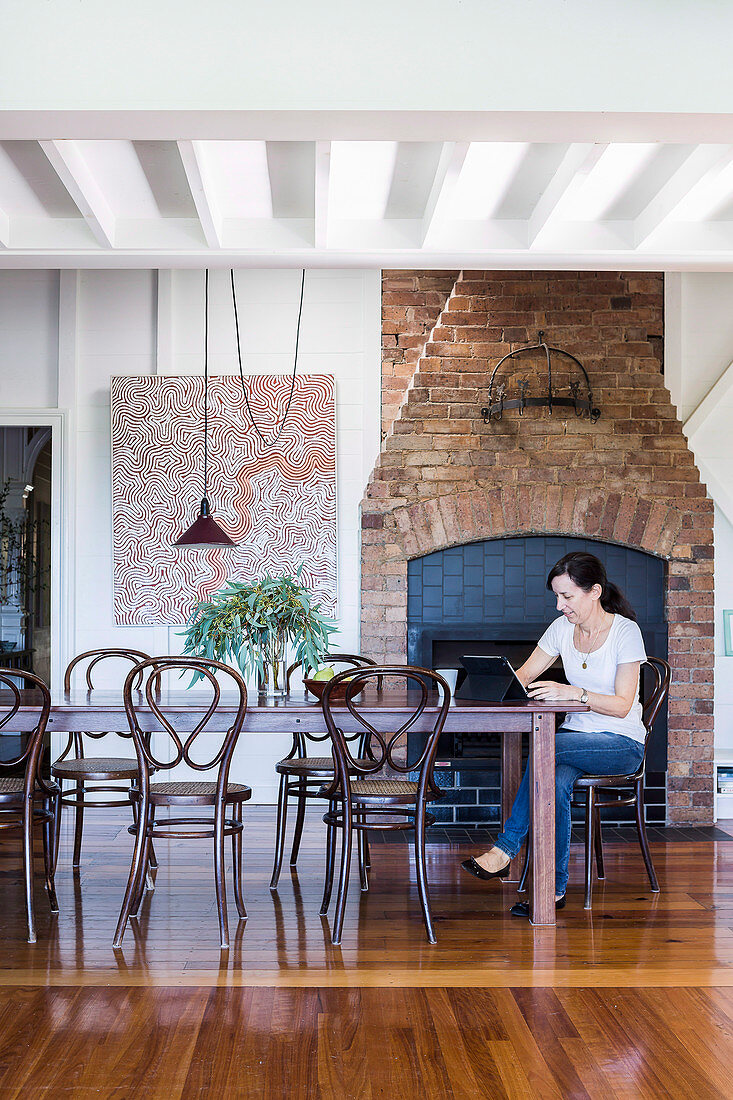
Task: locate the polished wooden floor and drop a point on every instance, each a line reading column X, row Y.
column 633, row 1000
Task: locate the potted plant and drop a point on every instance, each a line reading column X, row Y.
column 253, row 624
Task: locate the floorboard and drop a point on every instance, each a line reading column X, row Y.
column 631, row 1000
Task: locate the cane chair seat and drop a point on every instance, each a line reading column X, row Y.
column 384, row 788
column 10, row 784
column 96, row 768
column 308, row 765
column 238, row 792
column 297, row 765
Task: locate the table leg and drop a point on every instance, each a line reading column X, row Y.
column 542, row 817
column 511, row 775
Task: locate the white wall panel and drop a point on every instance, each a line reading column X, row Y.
column 723, row 665
column 339, row 336
column 29, row 327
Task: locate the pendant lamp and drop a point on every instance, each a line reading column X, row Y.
column 205, row 531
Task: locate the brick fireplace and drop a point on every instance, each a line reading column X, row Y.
column 444, row 478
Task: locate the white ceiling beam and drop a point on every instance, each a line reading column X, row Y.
column 73, row 171
column 701, row 161
column 486, row 178
column 322, row 184
column 201, row 192
column 619, row 164
column 579, row 160
column 449, row 168
column 74, row 254
column 4, row 230
column 688, row 127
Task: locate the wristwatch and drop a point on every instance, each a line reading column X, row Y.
column 583, row 696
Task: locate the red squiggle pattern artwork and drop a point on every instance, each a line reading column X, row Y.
column 277, row 503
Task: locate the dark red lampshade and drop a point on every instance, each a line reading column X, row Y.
column 204, row 531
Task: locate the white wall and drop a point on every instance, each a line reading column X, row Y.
column 61, row 340
column 29, row 334
column 698, row 351
column 723, row 665
column 339, row 335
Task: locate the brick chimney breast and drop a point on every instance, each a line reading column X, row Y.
column 444, row 477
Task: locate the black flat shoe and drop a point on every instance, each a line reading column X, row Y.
column 476, row 869
column 521, row 908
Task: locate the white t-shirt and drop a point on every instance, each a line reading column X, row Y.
column 623, row 645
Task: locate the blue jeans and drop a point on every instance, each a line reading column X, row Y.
column 575, row 754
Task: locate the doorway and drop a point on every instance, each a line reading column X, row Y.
column 25, row 548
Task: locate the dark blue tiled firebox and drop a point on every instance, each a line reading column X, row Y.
column 492, row 594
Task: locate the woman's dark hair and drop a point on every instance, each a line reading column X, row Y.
column 585, row 570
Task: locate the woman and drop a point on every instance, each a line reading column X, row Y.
column 602, row 649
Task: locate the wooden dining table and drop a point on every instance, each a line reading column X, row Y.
column 102, row 710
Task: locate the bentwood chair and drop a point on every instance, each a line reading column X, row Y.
column 28, row 799
column 623, row 790
column 92, row 775
column 160, row 747
column 377, row 790
column 302, row 775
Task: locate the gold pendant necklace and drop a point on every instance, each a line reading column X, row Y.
column 586, row 655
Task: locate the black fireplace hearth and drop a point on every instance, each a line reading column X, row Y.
column 491, row 597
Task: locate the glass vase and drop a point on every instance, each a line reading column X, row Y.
column 272, row 680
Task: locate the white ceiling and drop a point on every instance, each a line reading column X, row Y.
column 360, row 198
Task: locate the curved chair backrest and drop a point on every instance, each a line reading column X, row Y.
column 95, row 656
column 655, row 694
column 351, row 660
column 386, row 749
column 29, row 756
column 159, row 731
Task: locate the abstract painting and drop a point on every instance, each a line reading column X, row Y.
column 278, row 503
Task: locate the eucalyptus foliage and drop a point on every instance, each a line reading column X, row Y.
column 247, row 622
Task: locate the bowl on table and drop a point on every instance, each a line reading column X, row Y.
column 317, row 688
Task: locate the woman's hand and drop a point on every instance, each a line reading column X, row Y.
column 548, row 690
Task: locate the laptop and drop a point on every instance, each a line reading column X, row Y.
column 490, row 680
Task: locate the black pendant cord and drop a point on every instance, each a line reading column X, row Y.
column 266, row 442
column 206, row 386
